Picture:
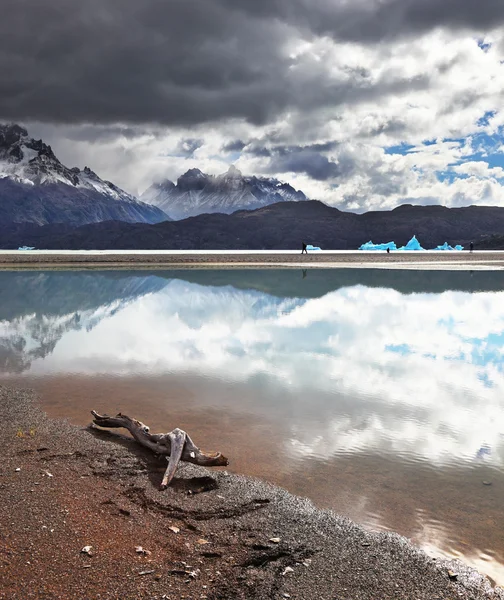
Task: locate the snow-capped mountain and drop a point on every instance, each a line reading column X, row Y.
column 196, row 193
column 35, row 187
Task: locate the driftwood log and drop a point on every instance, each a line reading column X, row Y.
column 176, row 444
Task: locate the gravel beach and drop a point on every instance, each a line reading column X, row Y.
column 210, row 536
column 224, row 259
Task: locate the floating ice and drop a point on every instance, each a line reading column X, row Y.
column 310, row 247
column 370, row 246
column 413, row 244
column 447, row 246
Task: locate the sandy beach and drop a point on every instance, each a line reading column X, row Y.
column 211, row 535
column 254, row 259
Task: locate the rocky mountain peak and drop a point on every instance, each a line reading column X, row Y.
column 11, row 134
column 192, row 174
column 193, row 179
column 16, row 145
column 12, row 137
column 231, row 180
column 165, row 185
column 233, row 173
column 196, row 193
column 90, row 173
column 31, row 172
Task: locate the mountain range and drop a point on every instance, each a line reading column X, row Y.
column 35, row 187
column 196, row 192
column 278, row 226
column 47, row 205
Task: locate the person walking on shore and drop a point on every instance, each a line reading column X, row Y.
column 304, row 250
column 471, row 247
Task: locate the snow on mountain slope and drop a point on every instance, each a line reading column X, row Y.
column 36, row 187
column 197, row 192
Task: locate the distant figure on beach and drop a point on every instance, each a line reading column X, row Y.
column 304, row 250
column 471, row 247
column 388, row 250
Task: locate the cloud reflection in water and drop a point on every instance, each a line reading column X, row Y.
column 357, row 369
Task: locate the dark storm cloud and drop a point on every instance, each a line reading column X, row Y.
column 260, row 148
column 369, row 21
column 177, row 62
column 390, row 127
column 109, row 133
column 234, row 146
column 306, row 159
column 183, row 62
column 464, row 100
column 316, row 166
column 187, row 147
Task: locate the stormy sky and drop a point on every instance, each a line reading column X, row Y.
column 365, row 104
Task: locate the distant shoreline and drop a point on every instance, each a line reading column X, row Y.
column 39, row 259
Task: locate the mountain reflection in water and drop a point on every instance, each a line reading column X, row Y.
column 377, row 393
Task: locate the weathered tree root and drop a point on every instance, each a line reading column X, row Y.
column 176, row 444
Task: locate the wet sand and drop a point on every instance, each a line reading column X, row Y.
column 449, row 512
column 63, row 488
column 264, row 259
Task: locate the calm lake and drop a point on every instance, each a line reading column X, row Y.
column 377, row 393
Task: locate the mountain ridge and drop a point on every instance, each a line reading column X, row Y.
column 36, row 187
column 280, row 226
column 196, row 193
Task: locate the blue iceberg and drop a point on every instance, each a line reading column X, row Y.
column 447, row 246
column 413, row 244
column 310, row 247
column 26, row 248
column 370, row 246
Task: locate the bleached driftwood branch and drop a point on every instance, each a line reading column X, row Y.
column 176, row 444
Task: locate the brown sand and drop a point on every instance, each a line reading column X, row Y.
column 445, row 260
column 63, row 488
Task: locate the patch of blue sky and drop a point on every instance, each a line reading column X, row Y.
column 485, row 46
column 459, row 356
column 483, row 147
column 405, row 148
column 485, row 379
column 484, row 144
column 402, row 148
column 486, row 357
column 454, row 141
column 482, row 353
column 494, row 160
column 484, row 121
column 402, row 349
column 487, row 351
column 450, row 176
column 448, row 323
column 496, row 339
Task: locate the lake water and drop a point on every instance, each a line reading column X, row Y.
column 376, row 393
